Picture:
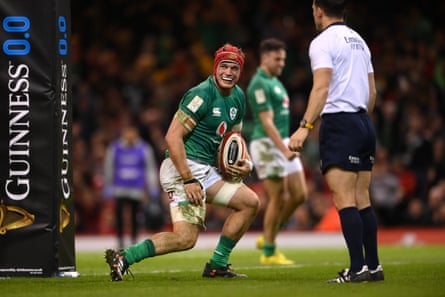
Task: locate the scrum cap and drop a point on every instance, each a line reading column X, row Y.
column 230, row 53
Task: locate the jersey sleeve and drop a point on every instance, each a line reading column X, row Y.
column 258, row 96
column 194, row 104
column 319, row 54
column 370, row 67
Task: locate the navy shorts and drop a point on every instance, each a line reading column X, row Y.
column 348, row 141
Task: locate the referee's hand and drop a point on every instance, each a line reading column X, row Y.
column 297, row 139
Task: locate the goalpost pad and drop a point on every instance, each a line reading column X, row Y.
column 36, row 202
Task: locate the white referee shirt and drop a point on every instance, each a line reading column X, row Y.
column 344, row 51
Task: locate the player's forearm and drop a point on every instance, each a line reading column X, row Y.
column 275, row 136
column 267, row 122
column 175, row 144
column 179, row 159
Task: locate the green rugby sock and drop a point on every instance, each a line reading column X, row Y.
column 139, row 251
column 221, row 255
column 269, row 249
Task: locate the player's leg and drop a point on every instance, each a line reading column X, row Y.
column 297, row 190
column 271, row 224
column 186, row 218
column 295, row 184
column 245, row 204
column 344, row 140
column 342, row 185
column 274, row 188
column 270, row 165
column 183, row 237
column 370, row 226
column 290, row 200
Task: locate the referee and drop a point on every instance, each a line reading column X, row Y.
column 343, row 93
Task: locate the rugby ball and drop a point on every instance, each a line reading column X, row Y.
column 232, row 149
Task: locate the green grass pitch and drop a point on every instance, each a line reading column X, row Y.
column 409, row 271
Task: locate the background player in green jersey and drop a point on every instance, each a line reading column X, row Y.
column 277, row 167
column 189, row 175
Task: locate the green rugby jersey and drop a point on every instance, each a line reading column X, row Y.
column 268, row 93
column 215, row 115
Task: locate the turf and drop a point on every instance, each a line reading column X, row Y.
column 409, row 271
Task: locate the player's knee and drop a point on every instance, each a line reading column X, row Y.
column 252, row 202
column 300, row 199
column 183, row 237
column 245, row 200
column 187, row 241
column 299, row 196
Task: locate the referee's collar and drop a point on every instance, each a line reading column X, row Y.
column 335, row 24
column 341, row 23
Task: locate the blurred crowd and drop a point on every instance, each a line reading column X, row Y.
column 133, row 60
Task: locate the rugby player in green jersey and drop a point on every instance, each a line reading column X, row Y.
column 279, row 169
column 190, row 177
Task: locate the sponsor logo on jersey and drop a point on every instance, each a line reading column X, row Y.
column 232, row 113
column 194, row 105
column 216, row 112
column 222, row 128
column 260, row 97
column 285, row 101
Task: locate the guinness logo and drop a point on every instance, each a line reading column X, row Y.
column 64, row 217
column 13, row 217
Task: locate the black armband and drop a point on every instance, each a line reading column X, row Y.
column 192, row 181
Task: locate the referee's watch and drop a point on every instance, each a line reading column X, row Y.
column 306, row 124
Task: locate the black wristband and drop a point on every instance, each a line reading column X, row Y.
column 192, row 181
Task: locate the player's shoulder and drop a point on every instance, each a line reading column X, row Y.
column 237, row 95
column 258, row 81
column 326, row 41
column 199, row 93
column 204, row 88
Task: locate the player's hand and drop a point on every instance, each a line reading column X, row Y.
column 290, row 155
column 194, row 192
column 297, row 139
column 241, row 168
